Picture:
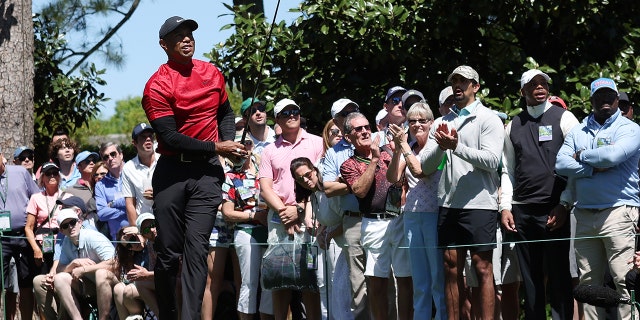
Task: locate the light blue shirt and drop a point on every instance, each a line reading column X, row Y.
column 613, row 147
column 91, row 244
column 333, row 159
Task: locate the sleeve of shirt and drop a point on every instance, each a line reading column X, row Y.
column 330, row 167
column 566, row 165
column 102, row 245
column 624, row 144
column 567, row 122
column 127, row 184
column 508, row 169
column 166, row 130
column 226, row 121
column 265, row 169
column 350, row 172
column 32, row 207
column 431, row 155
column 105, row 213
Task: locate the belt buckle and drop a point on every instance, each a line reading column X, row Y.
column 182, row 159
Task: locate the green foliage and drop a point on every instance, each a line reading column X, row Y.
column 358, row 49
column 60, row 100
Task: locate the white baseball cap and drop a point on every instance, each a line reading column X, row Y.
column 283, row 104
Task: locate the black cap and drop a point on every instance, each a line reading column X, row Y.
column 623, row 96
column 73, row 201
column 173, row 23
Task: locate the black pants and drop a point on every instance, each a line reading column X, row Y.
column 186, row 198
column 544, row 257
column 15, row 245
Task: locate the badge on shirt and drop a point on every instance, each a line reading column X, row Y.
column 5, row 220
column 545, row 133
column 603, row 142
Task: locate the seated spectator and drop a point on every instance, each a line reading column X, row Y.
column 143, row 277
column 130, row 265
column 84, row 251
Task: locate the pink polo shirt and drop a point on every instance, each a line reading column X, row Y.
column 277, row 157
column 41, row 206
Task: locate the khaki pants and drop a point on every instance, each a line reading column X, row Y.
column 605, row 236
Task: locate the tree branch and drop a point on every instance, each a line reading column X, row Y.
column 107, row 36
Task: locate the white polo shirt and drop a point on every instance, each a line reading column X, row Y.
column 135, row 176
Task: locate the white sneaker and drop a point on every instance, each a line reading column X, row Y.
column 134, row 317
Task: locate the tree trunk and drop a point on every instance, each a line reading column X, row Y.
column 16, row 75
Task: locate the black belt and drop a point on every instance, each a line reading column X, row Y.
column 14, row 232
column 190, row 157
column 379, row 216
column 47, row 231
column 352, row 214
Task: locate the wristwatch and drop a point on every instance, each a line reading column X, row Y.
column 567, row 206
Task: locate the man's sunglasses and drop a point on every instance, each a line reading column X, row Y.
column 147, row 230
column 113, row 154
column 289, row 113
column 359, row 129
column 395, row 100
column 71, row 224
column 255, row 109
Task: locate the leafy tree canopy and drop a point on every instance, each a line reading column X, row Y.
column 358, row 49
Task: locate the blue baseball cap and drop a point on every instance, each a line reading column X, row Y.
column 393, row 91
column 86, row 154
column 20, row 150
column 602, row 83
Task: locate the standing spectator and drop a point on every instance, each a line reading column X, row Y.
column 187, row 106
column 243, row 206
column 470, row 139
column 382, row 230
column 600, row 157
column 110, row 201
column 16, row 188
column 331, row 135
column 396, row 114
column 420, row 212
column 137, row 173
column 63, row 152
column 25, row 156
column 625, row 106
column 445, row 101
column 259, row 132
column 276, row 188
column 84, row 252
column 334, row 186
column 86, row 162
column 530, row 199
column 99, row 171
column 41, row 226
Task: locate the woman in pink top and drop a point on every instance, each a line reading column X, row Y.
column 41, row 227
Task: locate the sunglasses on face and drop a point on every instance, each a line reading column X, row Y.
column 88, row 161
column 306, row 175
column 395, row 100
column 52, row 173
column 335, row 132
column 289, row 113
column 25, row 157
column 420, row 121
column 71, row 224
column 257, row 108
column 359, row 129
column 99, row 174
column 107, row 156
column 147, row 230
